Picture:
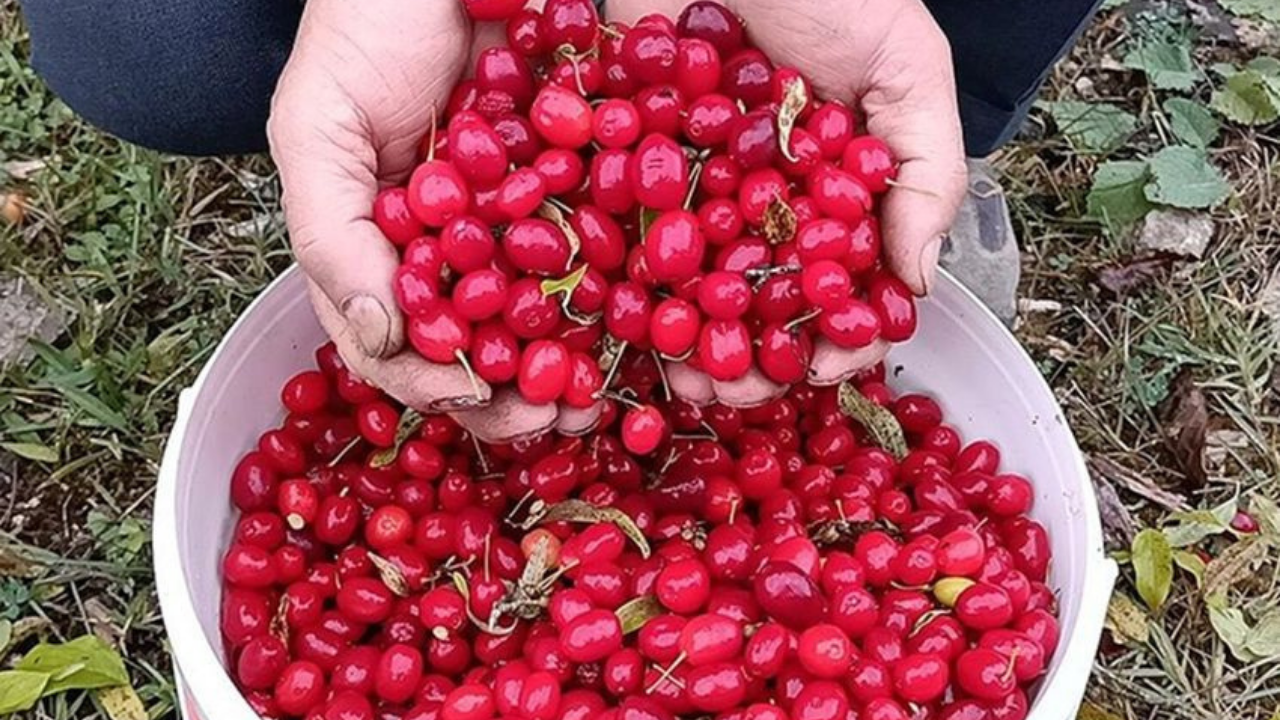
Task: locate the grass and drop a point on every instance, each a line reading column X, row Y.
column 149, row 260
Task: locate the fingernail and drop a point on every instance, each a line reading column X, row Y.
column 468, row 402
column 370, row 322
column 929, row 262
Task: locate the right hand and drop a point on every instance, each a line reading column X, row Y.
column 362, row 86
column 890, row 60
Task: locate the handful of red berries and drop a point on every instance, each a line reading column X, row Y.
column 837, row 554
column 661, row 188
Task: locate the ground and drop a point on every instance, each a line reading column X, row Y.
column 1151, row 300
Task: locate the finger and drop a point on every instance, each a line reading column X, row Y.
column 750, row 390
column 629, row 11
column 911, row 105
column 405, row 376
column 579, row 421
column 328, row 187
column 692, row 386
column 508, row 418
column 832, row 365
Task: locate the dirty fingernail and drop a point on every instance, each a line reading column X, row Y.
column 369, row 322
column 929, row 262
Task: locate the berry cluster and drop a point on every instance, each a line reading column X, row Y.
column 663, row 186
column 835, row 554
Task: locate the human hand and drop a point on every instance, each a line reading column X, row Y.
column 363, row 84
column 890, row 60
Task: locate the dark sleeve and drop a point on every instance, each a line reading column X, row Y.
column 1003, row 52
column 186, row 76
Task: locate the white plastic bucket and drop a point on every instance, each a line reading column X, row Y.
column 987, row 384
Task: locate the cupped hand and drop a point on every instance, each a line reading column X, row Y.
column 361, row 88
column 890, row 60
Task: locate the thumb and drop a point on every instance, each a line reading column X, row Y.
column 911, row 104
column 327, row 174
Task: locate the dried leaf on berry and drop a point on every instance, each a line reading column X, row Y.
column 410, row 423
column 879, row 421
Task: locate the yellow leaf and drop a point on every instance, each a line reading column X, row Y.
column 122, row 703
column 1126, row 620
column 1089, row 711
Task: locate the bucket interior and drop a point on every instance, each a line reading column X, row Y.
column 987, row 386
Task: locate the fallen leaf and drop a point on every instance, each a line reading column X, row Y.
column 122, row 703
column 1152, row 559
column 1117, row 523
column 1264, row 641
column 1136, row 483
column 15, row 564
column 1125, row 277
column 19, row 690
column 1233, row 565
column 1232, row 629
column 634, row 613
column 1126, row 620
column 1179, row 232
column 80, row 664
column 1192, row 563
column 23, row 169
column 22, row 630
column 1186, row 424
column 884, row 428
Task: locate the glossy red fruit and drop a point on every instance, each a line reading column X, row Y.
column 300, row 689
column 674, row 246
column 643, row 429
column 393, row 217
column 724, row 349
column 591, row 636
column 437, row 193
column 562, row 117
column 787, row 594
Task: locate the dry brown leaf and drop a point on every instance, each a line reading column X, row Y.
column 1089, row 711
column 1117, row 523
column 1186, row 418
column 1136, row 484
column 1233, row 565
column 1125, row 277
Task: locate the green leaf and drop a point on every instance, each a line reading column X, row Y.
column 1192, row 527
column 81, row 664
column 20, row 690
column 1261, row 9
column 1183, row 177
column 32, row 451
column 1249, row 97
column 1192, row 122
column 1153, row 565
column 1118, row 197
column 1166, row 63
column 1093, row 128
column 1192, row 563
column 95, row 408
column 1232, row 628
column 1264, row 641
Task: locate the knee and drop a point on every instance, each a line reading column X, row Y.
column 163, row 76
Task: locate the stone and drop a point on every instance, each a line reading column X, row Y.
column 1180, row 232
column 25, row 315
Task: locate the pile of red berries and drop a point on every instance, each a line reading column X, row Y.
column 837, row 554
column 663, row 186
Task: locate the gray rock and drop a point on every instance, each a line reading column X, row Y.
column 25, row 315
column 1180, row 232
